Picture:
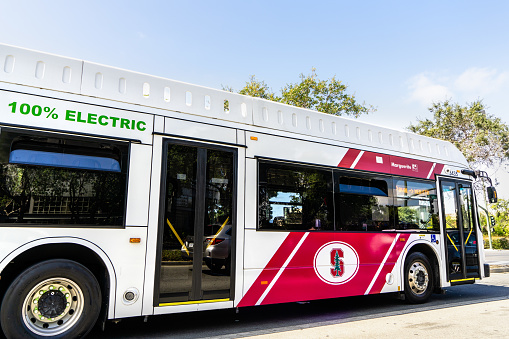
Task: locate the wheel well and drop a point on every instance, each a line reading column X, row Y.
column 75, row 252
column 428, row 252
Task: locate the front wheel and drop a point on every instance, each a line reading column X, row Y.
column 55, row 298
column 418, row 278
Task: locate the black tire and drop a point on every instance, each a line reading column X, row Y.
column 215, row 265
column 418, row 278
column 67, row 296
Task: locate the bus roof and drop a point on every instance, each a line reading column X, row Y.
column 43, row 70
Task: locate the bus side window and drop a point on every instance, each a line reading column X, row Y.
column 51, row 179
column 416, row 205
column 294, row 197
column 363, row 202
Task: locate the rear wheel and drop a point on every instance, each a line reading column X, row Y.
column 418, row 278
column 55, row 298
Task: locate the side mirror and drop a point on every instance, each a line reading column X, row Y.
column 492, row 194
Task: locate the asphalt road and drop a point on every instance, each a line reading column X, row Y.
column 310, row 317
column 497, row 257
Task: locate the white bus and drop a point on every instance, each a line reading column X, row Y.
column 124, row 195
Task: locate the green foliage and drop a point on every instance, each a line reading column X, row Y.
column 327, row 96
column 407, row 215
column 500, row 211
column 258, row 89
column 500, row 244
column 501, row 231
column 482, row 138
column 172, row 255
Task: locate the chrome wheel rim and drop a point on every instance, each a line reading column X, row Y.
column 418, row 278
column 53, row 306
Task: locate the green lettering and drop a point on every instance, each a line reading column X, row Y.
column 79, row 118
column 114, row 119
column 124, row 123
column 69, row 115
column 139, row 124
column 101, row 118
column 92, row 118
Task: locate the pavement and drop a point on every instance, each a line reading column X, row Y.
column 498, row 260
column 485, row 320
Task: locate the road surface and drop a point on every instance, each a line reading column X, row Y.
column 376, row 316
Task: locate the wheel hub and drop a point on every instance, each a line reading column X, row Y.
column 52, row 304
column 418, row 278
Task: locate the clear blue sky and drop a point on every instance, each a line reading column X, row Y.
column 398, row 56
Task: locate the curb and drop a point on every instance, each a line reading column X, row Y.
column 499, row 268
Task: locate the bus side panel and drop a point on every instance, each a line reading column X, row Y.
column 319, row 265
column 153, row 225
column 112, row 245
column 395, row 281
column 55, row 114
column 139, row 185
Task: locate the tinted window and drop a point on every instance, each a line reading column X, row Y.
column 47, row 179
column 294, row 198
column 416, row 205
column 363, row 203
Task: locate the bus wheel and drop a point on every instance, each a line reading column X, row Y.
column 418, row 278
column 55, row 298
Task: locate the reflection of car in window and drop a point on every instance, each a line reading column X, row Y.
column 216, row 247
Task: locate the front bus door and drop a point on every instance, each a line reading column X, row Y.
column 197, row 224
column 459, row 229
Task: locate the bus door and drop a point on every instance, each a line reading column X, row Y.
column 459, row 229
column 197, row 224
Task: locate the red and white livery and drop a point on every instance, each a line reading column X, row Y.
column 126, row 195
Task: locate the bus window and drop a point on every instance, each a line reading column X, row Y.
column 48, row 179
column 416, row 205
column 293, row 197
column 363, row 203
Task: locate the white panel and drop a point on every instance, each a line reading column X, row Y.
column 241, row 137
column 293, row 150
column 215, row 306
column 31, row 68
column 125, row 261
column 239, row 241
column 200, row 131
column 153, row 225
column 265, row 245
column 175, row 309
column 129, row 263
column 75, row 117
column 251, row 193
column 139, row 185
column 159, row 124
column 21, row 66
column 146, row 90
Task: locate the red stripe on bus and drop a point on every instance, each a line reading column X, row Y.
column 349, row 158
column 390, row 164
column 300, row 281
column 269, row 272
column 389, row 265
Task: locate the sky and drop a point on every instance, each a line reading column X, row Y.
column 399, row 56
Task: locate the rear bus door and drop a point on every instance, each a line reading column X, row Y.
column 196, row 233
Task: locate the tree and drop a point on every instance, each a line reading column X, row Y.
column 327, row 96
column 501, row 214
column 481, row 137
